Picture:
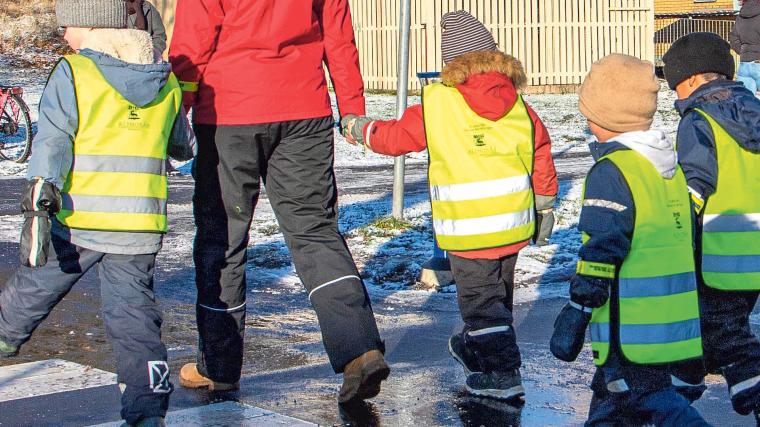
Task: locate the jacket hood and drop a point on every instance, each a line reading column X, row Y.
column 488, row 81
column 750, row 9
column 128, row 62
column 734, row 107
column 655, row 146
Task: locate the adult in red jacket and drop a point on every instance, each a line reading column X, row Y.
column 253, row 73
column 486, row 83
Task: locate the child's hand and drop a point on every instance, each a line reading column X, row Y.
column 352, row 128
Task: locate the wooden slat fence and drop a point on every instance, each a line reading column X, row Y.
column 557, row 40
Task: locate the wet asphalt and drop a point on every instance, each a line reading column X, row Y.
column 282, row 374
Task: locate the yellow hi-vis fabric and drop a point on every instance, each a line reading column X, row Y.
column 657, row 306
column 480, row 172
column 118, row 179
column 731, row 226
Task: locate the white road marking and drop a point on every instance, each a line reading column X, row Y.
column 226, row 414
column 48, row 377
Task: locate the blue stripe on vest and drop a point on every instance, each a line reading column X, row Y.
column 600, row 332
column 730, row 263
column 657, row 286
column 661, row 333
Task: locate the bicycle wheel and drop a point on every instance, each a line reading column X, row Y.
column 15, row 130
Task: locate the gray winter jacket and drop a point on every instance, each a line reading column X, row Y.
column 139, row 80
column 745, row 37
column 155, row 28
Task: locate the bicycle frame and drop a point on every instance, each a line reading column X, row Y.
column 5, row 95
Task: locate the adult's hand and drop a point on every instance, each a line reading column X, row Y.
column 352, row 128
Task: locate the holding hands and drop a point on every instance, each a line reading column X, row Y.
column 352, row 128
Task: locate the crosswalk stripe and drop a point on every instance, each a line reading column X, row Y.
column 226, row 414
column 45, row 377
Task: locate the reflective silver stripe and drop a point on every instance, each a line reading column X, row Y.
column 606, row 204
column 482, row 225
column 223, row 310
column 744, row 385
column 480, row 190
column 332, row 282
column 35, row 245
column 657, row 286
column 731, row 223
column 600, row 332
column 369, row 135
column 150, row 165
column 113, row 204
column 617, row 386
column 695, row 193
column 486, row 331
column 661, row 333
column 581, row 308
column 730, row 263
column 677, row 382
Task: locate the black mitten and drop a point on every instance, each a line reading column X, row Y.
column 570, row 331
column 41, row 202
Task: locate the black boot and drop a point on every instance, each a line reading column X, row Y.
column 496, row 385
column 463, row 355
column 570, row 331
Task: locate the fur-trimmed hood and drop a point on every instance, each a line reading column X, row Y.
column 488, row 81
column 465, row 66
column 128, row 62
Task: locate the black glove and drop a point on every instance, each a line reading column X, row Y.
column 590, row 291
column 544, row 219
column 41, row 202
column 570, row 331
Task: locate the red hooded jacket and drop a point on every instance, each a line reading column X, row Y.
column 262, row 61
column 491, row 95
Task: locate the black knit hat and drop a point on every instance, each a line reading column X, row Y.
column 697, row 53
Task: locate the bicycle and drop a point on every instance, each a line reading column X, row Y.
column 15, row 125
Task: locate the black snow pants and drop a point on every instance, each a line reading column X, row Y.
column 485, row 291
column 731, row 348
column 294, row 160
column 627, row 394
column 131, row 314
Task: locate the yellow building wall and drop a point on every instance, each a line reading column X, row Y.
column 686, row 6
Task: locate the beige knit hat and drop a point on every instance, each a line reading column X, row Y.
column 620, row 93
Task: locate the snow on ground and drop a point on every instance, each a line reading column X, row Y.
column 390, row 254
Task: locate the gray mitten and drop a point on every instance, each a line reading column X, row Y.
column 544, row 219
column 41, row 202
column 352, row 127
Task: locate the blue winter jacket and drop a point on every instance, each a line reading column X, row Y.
column 608, row 213
column 736, row 109
column 52, row 150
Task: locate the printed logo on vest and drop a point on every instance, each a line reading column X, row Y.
column 134, row 121
column 158, row 372
column 479, row 140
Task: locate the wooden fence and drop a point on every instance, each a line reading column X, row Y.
column 557, row 40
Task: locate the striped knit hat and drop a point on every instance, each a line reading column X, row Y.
column 463, row 33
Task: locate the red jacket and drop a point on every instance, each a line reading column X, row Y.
column 262, row 61
column 491, row 95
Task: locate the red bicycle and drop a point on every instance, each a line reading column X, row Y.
column 15, row 125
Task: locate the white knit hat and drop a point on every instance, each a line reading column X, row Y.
column 91, row 13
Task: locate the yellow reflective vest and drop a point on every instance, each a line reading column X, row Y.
column 118, row 179
column 480, row 172
column 731, row 225
column 657, row 307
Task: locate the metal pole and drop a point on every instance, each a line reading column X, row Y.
column 402, row 91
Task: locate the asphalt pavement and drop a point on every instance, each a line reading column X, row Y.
column 288, row 373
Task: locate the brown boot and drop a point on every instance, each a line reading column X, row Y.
column 189, row 377
column 362, row 377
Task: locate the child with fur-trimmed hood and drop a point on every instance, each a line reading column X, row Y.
column 97, row 196
column 490, row 157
